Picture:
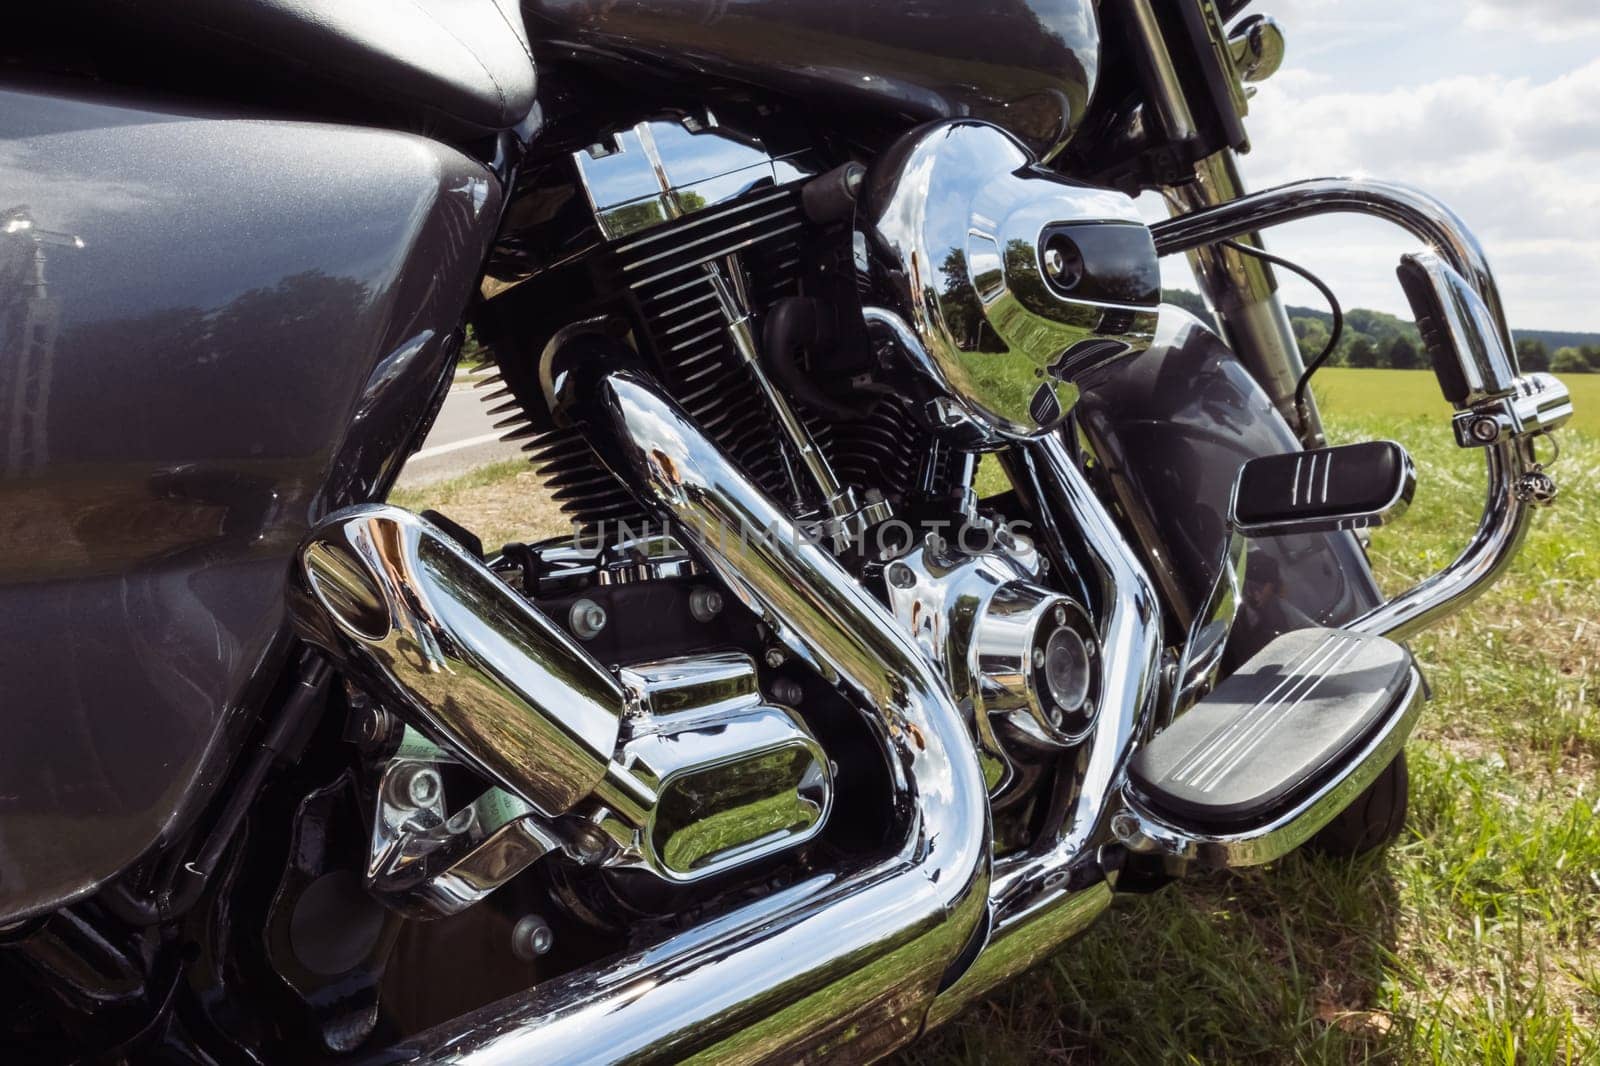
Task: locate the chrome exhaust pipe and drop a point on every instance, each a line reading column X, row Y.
column 407, row 612
column 842, row 960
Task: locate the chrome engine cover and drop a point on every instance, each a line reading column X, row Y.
column 1022, row 655
column 1016, row 280
column 678, row 767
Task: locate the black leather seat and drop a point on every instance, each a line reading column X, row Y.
column 457, row 67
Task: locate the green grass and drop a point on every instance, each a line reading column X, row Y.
column 1409, row 393
column 1475, row 939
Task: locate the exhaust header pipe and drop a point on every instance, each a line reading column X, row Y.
column 412, row 616
column 840, row 960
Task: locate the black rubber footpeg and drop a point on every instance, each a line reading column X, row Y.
column 1274, row 731
column 1352, row 486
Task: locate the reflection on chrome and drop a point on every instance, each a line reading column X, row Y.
column 1013, row 278
column 1452, row 286
column 802, row 950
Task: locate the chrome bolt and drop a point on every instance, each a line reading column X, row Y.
column 705, row 604
column 1038, row 658
column 415, row 785
column 775, row 657
column 901, row 577
column 1054, row 262
column 587, row 618
column 532, row 937
column 1485, row 429
column 787, row 691
column 1060, row 615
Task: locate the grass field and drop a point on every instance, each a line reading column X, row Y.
column 1475, row 939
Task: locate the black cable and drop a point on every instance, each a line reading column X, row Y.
column 1333, row 333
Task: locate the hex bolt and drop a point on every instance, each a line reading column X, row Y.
column 787, row 691
column 1038, row 658
column 532, row 937
column 587, row 618
column 1060, row 615
column 901, row 577
column 705, row 604
column 416, row 786
column 774, row 657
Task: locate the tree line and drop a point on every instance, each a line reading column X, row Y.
column 1375, row 339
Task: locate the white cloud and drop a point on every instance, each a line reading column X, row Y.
column 1518, row 158
column 1547, row 20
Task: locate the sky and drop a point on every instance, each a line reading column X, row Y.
column 1491, row 105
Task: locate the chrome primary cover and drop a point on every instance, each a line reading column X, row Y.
column 1016, row 280
column 1019, row 654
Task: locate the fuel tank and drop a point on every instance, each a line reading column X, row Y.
column 213, row 331
column 1026, row 65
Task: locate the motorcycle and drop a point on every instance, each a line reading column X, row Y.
column 931, row 582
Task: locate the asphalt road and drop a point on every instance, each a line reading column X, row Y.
column 462, row 439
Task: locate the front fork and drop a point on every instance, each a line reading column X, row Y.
column 1243, row 293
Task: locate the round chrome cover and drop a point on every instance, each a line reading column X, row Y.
column 1015, row 279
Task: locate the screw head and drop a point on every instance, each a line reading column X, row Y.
column 774, row 657
column 705, row 604
column 532, row 937
column 586, row 618
column 1485, row 429
column 901, row 577
column 416, row 786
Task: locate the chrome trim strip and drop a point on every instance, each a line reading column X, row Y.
column 801, row 953
column 1146, row 833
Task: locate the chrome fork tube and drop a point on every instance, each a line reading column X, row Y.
column 1043, row 896
column 841, row 959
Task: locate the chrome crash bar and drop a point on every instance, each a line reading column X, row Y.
column 1498, row 408
column 843, row 959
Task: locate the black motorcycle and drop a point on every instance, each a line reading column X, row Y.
column 807, row 735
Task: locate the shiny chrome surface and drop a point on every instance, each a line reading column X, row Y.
column 426, row 863
column 660, row 170
column 730, row 778
column 1256, row 46
column 1046, row 894
column 1208, row 631
column 1536, row 404
column 1479, row 338
column 1411, row 209
column 1242, row 291
column 418, row 620
column 1492, row 547
column 965, row 225
column 799, row 952
column 1488, row 367
column 982, row 619
column 1142, row 832
column 838, row 502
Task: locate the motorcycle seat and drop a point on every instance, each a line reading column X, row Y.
column 454, row 68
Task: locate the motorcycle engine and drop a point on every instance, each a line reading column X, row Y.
column 853, row 340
